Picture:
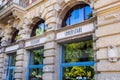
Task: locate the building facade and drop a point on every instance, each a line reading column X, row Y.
column 60, row 40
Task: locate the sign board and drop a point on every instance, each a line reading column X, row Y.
column 11, row 48
column 35, row 42
column 75, row 31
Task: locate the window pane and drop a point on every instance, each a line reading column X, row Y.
column 11, row 67
column 88, row 13
column 12, row 59
column 40, row 29
column 76, row 16
column 37, row 57
column 35, row 74
column 11, row 74
column 78, row 73
column 78, row 52
column 67, row 22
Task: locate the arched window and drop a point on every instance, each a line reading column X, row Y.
column 15, row 36
column 77, row 14
column 39, row 28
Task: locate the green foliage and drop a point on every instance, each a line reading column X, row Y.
column 38, row 56
column 75, row 51
column 79, row 52
column 37, row 32
column 78, row 71
column 90, row 15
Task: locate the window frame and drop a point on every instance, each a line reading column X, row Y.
column 71, row 64
column 34, row 28
column 69, row 12
column 31, row 66
column 10, row 67
column 15, row 34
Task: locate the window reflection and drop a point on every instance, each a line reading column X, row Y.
column 78, row 52
column 78, row 73
column 36, row 64
column 15, row 36
column 36, row 57
column 35, row 74
column 77, row 14
column 11, row 67
column 77, row 61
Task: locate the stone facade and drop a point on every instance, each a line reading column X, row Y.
column 106, row 20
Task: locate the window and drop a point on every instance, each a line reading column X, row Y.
column 77, row 61
column 15, row 36
column 35, row 64
column 77, row 14
column 0, row 40
column 11, row 67
column 39, row 28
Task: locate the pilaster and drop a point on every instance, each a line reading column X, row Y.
column 19, row 62
column 49, row 54
column 107, row 34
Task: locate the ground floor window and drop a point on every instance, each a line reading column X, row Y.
column 77, row 61
column 11, row 67
column 35, row 64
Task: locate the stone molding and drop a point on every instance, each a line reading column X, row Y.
column 109, row 18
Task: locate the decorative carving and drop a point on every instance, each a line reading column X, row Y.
column 25, row 29
column 112, row 53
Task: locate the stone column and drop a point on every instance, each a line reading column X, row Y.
column 1, row 65
column 49, row 54
column 19, row 61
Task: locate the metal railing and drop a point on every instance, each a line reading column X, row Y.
column 7, row 3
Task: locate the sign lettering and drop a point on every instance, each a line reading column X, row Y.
column 72, row 32
column 35, row 41
column 75, row 31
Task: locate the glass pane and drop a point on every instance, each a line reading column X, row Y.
column 67, row 22
column 37, row 57
column 78, row 52
column 40, row 29
column 35, row 74
column 11, row 74
column 76, row 16
column 12, row 60
column 88, row 13
column 78, row 73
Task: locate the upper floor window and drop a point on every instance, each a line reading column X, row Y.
column 39, row 28
column 15, row 36
column 77, row 14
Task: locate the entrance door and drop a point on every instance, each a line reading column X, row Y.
column 77, row 61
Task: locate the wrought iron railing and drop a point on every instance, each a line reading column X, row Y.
column 23, row 3
column 5, row 4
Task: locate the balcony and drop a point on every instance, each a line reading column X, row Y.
column 7, row 3
column 9, row 9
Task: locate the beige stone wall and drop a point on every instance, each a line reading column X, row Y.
column 107, row 32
